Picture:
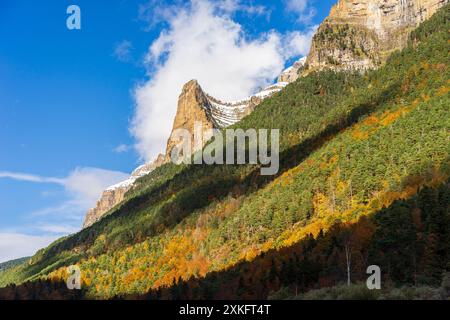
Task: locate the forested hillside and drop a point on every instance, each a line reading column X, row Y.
column 364, row 166
column 9, row 264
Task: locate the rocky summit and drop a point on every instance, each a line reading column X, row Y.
column 196, row 106
column 357, row 35
column 360, row 201
column 360, row 35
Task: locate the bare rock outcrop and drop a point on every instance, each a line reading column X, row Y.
column 116, row 193
column 361, row 34
column 109, row 199
column 357, row 35
column 293, row 72
column 197, row 107
column 192, row 108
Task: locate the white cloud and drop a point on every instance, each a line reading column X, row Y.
column 16, row 245
column 29, row 177
column 87, row 184
column 83, row 187
column 154, row 12
column 203, row 42
column 298, row 43
column 298, row 6
column 122, row 51
column 302, row 9
column 121, row 148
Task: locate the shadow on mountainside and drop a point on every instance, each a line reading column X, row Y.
column 409, row 241
column 194, row 188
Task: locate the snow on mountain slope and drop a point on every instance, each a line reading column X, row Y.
column 224, row 114
column 193, row 105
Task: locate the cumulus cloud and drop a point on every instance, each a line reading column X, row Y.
column 16, row 245
column 122, row 51
column 202, row 41
column 298, row 43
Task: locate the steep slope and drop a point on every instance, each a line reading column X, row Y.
column 351, row 145
column 197, row 107
column 12, row 263
column 194, row 107
column 292, row 73
column 357, row 35
column 116, row 193
column 360, row 35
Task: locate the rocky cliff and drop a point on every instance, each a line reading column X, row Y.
column 116, row 193
column 109, row 199
column 192, row 108
column 195, row 106
column 361, row 34
column 357, row 35
column 292, row 73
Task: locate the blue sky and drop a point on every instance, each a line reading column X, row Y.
column 80, row 109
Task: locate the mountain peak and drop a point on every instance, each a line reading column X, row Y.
column 360, row 35
column 357, row 35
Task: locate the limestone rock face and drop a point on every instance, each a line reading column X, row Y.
column 292, row 73
column 192, row 108
column 357, row 35
column 116, row 193
column 361, row 34
column 148, row 167
column 108, row 200
column 195, row 107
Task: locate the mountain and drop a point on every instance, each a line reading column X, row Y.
column 357, row 35
column 292, row 73
column 360, row 35
column 12, row 263
column 194, row 106
column 116, row 194
column 364, row 180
